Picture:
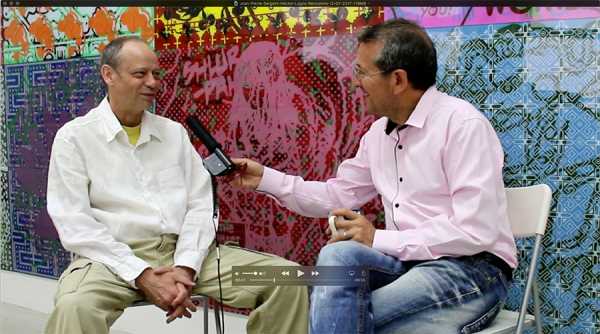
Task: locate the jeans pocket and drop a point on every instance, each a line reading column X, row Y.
column 71, row 279
column 490, row 275
column 505, row 280
column 483, row 321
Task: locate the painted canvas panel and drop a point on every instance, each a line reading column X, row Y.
column 46, row 34
column 538, row 84
column 5, row 238
column 274, row 87
column 33, row 34
column 41, row 97
column 273, row 84
column 434, row 16
column 192, row 27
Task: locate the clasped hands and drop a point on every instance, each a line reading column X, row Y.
column 170, row 289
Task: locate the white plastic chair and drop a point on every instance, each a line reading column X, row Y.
column 528, row 210
column 196, row 299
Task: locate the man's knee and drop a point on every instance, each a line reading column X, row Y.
column 285, row 263
column 75, row 305
column 294, row 294
column 341, row 253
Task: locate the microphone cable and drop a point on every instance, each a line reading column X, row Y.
column 215, row 219
column 217, row 163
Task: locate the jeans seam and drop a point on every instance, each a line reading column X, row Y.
column 381, row 270
column 388, row 319
column 361, row 310
column 466, row 329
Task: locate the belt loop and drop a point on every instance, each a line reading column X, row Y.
column 166, row 240
column 163, row 240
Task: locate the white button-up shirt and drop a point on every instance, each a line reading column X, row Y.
column 104, row 193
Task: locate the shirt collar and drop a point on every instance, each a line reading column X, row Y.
column 391, row 125
column 113, row 126
column 418, row 117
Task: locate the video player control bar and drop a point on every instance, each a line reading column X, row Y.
column 299, row 275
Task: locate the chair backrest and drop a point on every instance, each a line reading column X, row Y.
column 528, row 209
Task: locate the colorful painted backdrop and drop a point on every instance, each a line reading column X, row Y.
column 273, row 84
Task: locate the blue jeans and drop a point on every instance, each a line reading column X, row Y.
column 448, row 295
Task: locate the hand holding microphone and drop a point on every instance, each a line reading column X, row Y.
column 217, row 163
column 248, row 173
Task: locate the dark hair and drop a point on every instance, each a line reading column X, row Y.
column 405, row 46
column 110, row 55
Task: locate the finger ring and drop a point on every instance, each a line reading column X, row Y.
column 344, row 234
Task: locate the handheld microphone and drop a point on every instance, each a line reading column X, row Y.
column 217, row 163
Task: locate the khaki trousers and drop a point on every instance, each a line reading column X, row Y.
column 90, row 297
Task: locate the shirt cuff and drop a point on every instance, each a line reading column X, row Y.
column 130, row 268
column 390, row 243
column 385, row 242
column 191, row 259
column 271, row 182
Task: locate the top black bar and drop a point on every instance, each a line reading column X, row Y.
column 311, row 3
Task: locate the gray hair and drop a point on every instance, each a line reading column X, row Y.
column 405, row 46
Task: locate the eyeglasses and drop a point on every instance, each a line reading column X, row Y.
column 360, row 74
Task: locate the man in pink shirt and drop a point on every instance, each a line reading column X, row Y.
column 444, row 261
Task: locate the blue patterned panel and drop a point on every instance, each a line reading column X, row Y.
column 41, row 97
column 5, row 249
column 5, row 235
column 538, row 84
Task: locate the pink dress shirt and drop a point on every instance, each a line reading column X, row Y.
column 439, row 177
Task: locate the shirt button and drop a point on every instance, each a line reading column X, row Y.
column 401, row 179
column 400, row 147
column 397, row 205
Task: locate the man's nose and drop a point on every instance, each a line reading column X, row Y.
column 152, row 82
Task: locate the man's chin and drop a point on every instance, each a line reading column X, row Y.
column 371, row 111
column 147, row 104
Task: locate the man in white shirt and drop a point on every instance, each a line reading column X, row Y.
column 129, row 196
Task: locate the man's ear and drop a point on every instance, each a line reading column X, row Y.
column 107, row 73
column 399, row 81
